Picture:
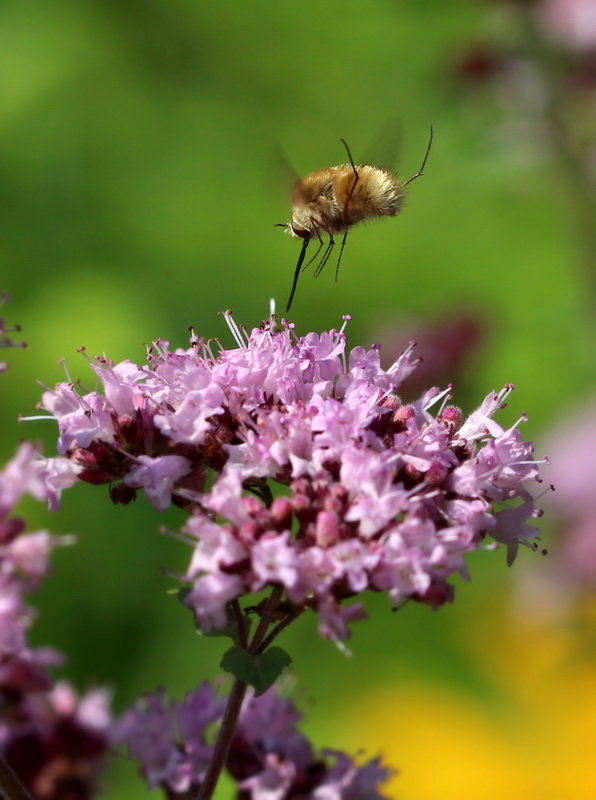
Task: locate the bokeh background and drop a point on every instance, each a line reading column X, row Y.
column 139, row 186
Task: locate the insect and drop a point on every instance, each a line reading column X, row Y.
column 332, row 200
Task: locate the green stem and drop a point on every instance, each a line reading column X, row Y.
column 234, row 704
column 261, row 630
column 240, row 624
column 11, row 787
column 277, row 630
column 224, row 739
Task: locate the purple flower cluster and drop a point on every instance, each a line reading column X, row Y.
column 170, row 743
column 52, row 739
column 269, row 758
column 300, row 467
column 24, row 560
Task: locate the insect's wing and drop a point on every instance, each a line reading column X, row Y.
column 282, row 175
column 385, row 147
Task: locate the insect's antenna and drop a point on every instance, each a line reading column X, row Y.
column 345, row 144
column 356, row 179
column 297, row 271
column 341, row 252
column 424, row 160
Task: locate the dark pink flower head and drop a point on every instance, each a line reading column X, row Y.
column 59, row 747
column 53, row 740
column 372, row 493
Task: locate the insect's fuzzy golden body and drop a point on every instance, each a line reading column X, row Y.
column 331, row 200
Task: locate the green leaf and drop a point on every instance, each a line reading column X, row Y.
column 258, row 671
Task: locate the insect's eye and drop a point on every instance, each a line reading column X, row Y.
column 302, row 233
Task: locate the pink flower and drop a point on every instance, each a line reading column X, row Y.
column 269, row 757
column 209, row 598
column 273, row 782
column 275, row 561
column 157, row 477
column 571, row 446
column 81, row 418
column 217, row 547
column 19, row 477
column 571, row 23
column 122, row 385
column 147, row 731
column 346, row 781
column 374, row 493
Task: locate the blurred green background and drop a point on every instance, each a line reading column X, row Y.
column 138, row 196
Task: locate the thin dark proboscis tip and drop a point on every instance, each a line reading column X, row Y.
column 297, row 272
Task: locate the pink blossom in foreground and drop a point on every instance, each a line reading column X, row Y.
column 571, row 23
column 371, row 493
column 24, row 561
column 53, row 739
column 269, row 758
column 572, row 470
column 58, row 746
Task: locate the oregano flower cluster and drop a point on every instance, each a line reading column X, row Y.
column 300, row 468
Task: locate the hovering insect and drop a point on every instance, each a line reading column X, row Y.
column 330, row 201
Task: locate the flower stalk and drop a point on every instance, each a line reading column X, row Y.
column 224, row 739
column 11, row 787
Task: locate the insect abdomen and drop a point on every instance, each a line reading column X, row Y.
column 377, row 193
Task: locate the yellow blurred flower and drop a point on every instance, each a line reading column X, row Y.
column 533, row 739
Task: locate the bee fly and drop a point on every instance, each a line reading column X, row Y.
column 330, row 201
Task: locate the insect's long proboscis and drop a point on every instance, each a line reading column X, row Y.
column 332, row 200
column 305, row 243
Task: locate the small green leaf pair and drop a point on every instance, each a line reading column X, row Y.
column 259, row 671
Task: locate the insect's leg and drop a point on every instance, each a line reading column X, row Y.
column 356, row 179
column 341, row 252
column 424, row 160
column 297, row 272
column 317, row 251
column 325, row 257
